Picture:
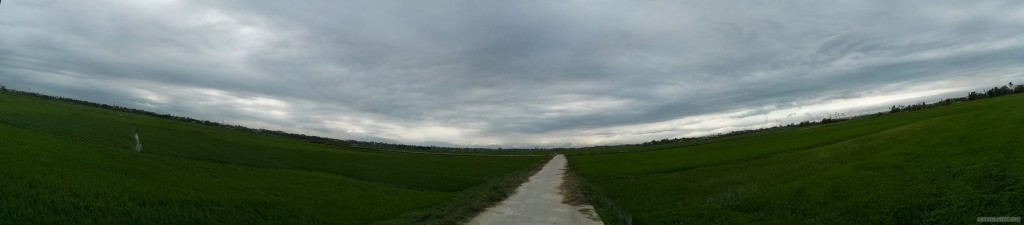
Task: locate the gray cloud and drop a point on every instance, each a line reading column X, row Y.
column 517, row 73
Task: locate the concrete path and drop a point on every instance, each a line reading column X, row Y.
column 539, row 201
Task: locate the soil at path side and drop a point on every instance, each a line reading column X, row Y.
column 540, row 201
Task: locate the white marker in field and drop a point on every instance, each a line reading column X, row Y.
column 138, row 144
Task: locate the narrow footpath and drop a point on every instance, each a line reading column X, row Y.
column 539, row 201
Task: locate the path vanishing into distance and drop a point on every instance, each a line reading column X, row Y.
column 540, row 201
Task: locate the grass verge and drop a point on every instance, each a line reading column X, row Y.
column 470, row 202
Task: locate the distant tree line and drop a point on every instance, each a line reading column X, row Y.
column 374, row 145
column 1008, row 89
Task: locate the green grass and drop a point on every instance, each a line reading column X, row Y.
column 71, row 164
column 946, row 165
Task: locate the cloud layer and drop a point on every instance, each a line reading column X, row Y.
column 511, row 73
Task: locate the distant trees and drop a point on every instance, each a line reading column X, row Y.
column 838, row 117
column 1008, row 89
column 998, row 91
column 975, row 96
column 834, row 117
column 708, row 137
column 914, row 107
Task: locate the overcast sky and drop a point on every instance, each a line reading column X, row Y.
column 514, row 72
